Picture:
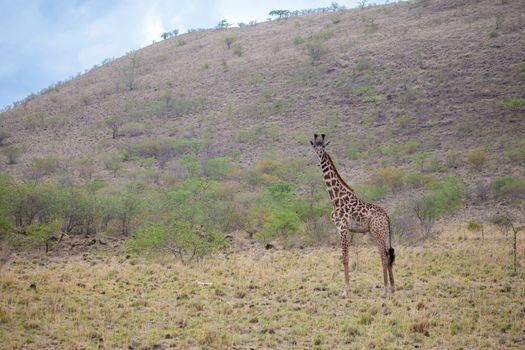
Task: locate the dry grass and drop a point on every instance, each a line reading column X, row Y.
column 456, row 292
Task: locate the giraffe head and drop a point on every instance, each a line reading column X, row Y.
column 319, row 145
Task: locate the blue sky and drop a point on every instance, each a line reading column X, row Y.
column 45, row 41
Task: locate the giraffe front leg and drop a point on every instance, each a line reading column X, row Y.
column 344, row 257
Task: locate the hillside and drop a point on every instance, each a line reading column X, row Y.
column 431, row 88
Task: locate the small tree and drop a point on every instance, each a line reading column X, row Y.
column 223, row 24
column 45, row 234
column 280, row 14
column 421, row 158
column 426, row 213
column 505, row 223
column 131, row 70
column 229, row 40
column 114, row 122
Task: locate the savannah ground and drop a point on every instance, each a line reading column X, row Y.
column 456, row 292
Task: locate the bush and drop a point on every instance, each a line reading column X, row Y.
column 270, row 167
column 513, row 103
column 420, row 158
column 238, row 50
column 477, row 159
column 147, row 148
column 438, row 201
column 4, row 135
column 229, row 40
column 133, row 129
column 180, row 238
column 517, row 153
column 315, row 50
column 218, row 168
column 112, row 161
column 298, row 40
column 391, row 178
column 46, row 165
column 418, row 180
column 411, row 146
column 508, row 188
column 474, row 226
column 12, row 153
column 370, row 193
column 44, row 234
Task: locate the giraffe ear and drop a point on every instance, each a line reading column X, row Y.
column 311, row 143
column 326, row 144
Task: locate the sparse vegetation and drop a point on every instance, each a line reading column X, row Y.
column 212, row 146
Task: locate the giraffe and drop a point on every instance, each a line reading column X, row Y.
column 353, row 215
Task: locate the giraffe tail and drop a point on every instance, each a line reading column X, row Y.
column 391, row 256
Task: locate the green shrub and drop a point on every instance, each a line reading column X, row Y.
column 112, row 161
column 270, row 167
column 147, row 148
column 298, row 40
column 403, row 121
column 193, row 164
column 390, row 178
column 255, row 79
column 370, row 193
column 508, row 188
column 517, row 153
column 418, row 180
column 42, row 234
column 218, row 168
column 373, row 98
column 420, row 158
column 180, row 238
column 86, row 100
column 411, row 146
column 477, row 158
column 12, row 153
column 512, row 103
column 283, row 223
column 473, row 225
column 238, row 50
column 315, row 50
column 352, row 153
column 132, row 129
column 441, row 199
column 229, row 40
column 4, row 135
column 47, row 165
column 452, row 158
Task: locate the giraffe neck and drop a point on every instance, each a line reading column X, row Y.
column 335, row 185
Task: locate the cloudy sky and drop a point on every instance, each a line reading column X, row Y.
column 45, row 41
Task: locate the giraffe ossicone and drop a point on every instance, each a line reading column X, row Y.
column 351, row 214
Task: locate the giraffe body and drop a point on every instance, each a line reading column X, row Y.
column 352, row 215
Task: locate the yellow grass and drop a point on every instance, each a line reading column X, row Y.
column 457, row 292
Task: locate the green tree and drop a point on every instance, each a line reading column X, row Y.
column 114, row 122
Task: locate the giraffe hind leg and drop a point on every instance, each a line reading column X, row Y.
column 391, row 277
column 384, row 262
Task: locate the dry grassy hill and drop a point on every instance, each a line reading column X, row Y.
column 418, row 86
